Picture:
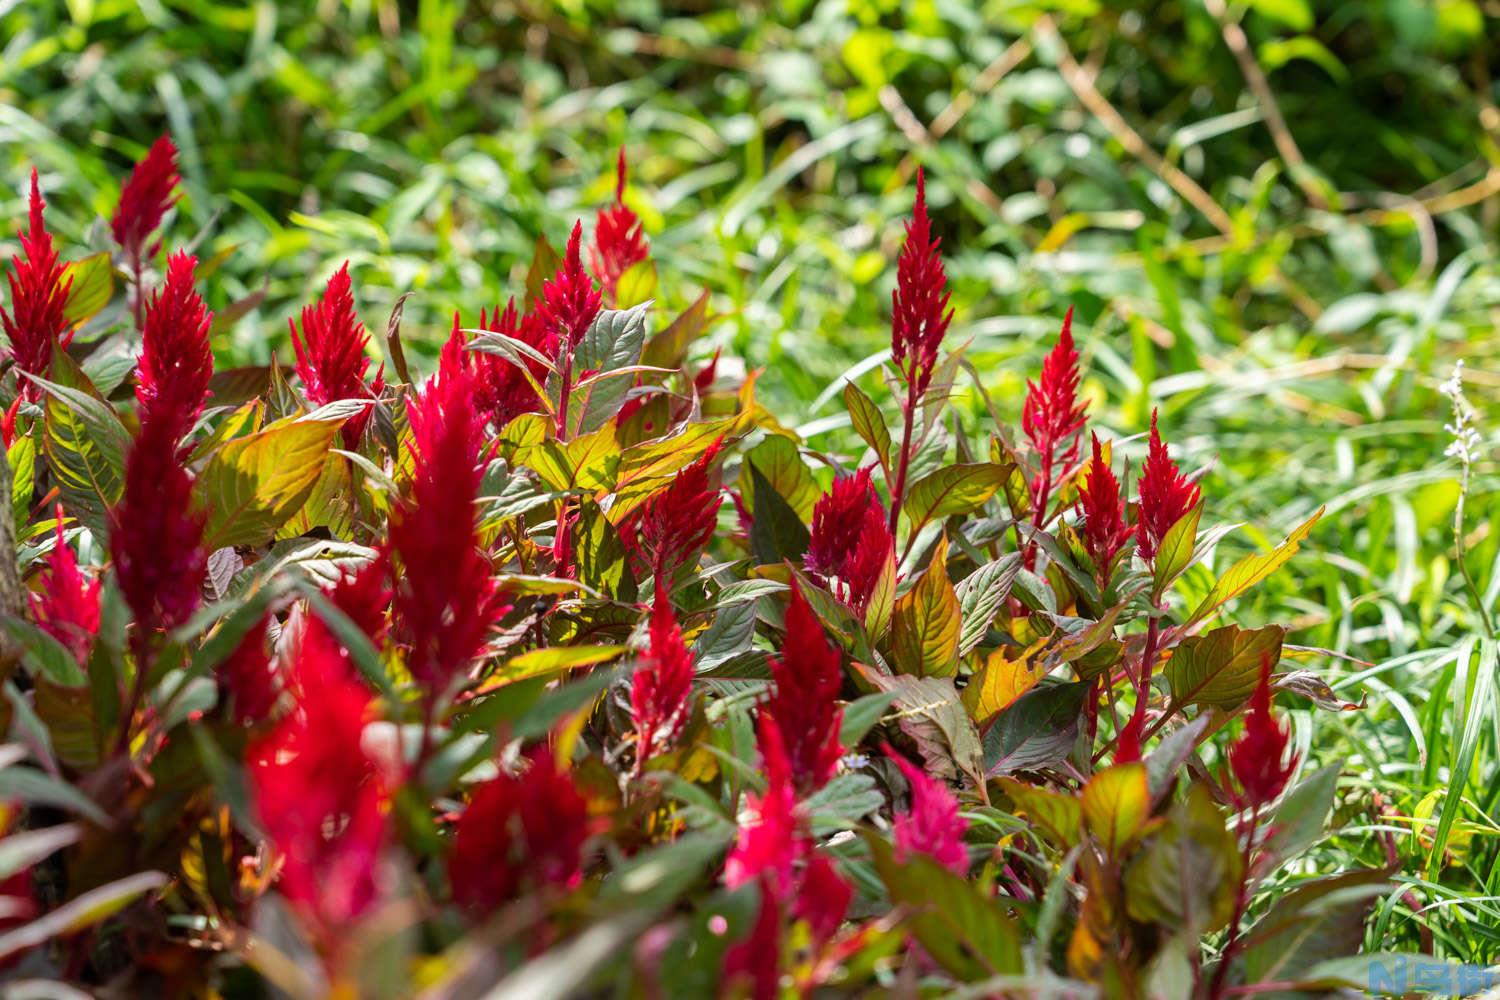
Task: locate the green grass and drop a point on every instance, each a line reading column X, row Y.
column 1292, row 321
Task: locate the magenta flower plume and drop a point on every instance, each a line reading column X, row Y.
column 919, row 303
column 144, row 200
column 331, row 358
column 247, row 677
column 39, row 286
column 1053, row 416
column 618, row 241
column 363, row 596
column 1258, row 758
column 752, row 967
column 156, row 530
column 502, row 391
column 674, row 524
column 805, row 681
column 850, row 539
column 447, row 599
column 932, row 825
column 1165, row 495
column 322, row 802
column 65, row 604
column 661, row 687
column 770, row 842
column 1102, row 509
column 569, row 300
column 176, row 362
column 519, row 831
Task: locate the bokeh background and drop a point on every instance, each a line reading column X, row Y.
column 1277, row 221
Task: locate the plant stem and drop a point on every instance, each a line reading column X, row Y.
column 1241, row 903
column 139, row 305
column 1462, row 555
column 898, row 491
column 1143, row 676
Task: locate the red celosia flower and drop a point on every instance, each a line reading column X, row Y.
column 1256, row 758
column 519, row 830
column 8, row 420
column 502, row 391
column 1165, row 495
column 66, row 606
column 321, row 801
column 932, row 825
column 1128, row 750
column 331, row 358
column 1052, row 416
column 364, row 597
column 176, row 362
column 805, row 681
column 662, row 685
column 569, row 300
column 618, row 240
column 144, row 199
column 447, row 599
column 770, row 844
column 850, row 539
column 754, row 964
column 1102, row 509
column 919, row 301
column 672, row 526
column 156, row 531
column 246, row 676
column 824, row 898
column 39, row 290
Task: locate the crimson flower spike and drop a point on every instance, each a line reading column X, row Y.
column 1165, row 495
column 671, row 527
column 752, row 967
column 519, row 831
column 919, row 303
column 365, row 598
column 850, row 539
column 331, row 353
column 1053, row 416
column 176, row 362
column 39, row 287
column 770, row 843
column 144, row 200
column 805, row 683
column 501, row 389
column 932, row 825
column 569, row 300
column 246, row 675
column 661, row 687
column 618, row 241
column 66, row 605
column 1258, row 758
column 323, row 804
column 447, row 599
column 1102, row 509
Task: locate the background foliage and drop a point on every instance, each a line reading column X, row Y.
column 1276, row 220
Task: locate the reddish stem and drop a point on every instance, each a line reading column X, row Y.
column 898, row 492
column 1216, row 988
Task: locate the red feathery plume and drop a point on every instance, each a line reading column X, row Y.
column 569, row 300
column 770, row 844
column 754, row 963
column 39, row 290
column 805, row 681
column 144, row 199
column 501, row 390
column 919, row 301
column 246, row 676
column 1102, row 509
column 176, row 362
column 331, row 358
column 932, row 825
column 156, row 530
column 8, row 420
column 519, row 831
column 66, row 606
column 662, row 685
column 1052, row 415
column 618, row 240
column 850, row 539
column 1165, row 495
column 1256, row 758
column 824, row 898
column 674, row 524
column 321, row 800
column 364, row 596
column 447, row 599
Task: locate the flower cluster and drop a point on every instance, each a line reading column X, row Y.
column 618, row 241
column 850, row 540
column 1166, row 495
column 66, row 602
column 919, row 303
column 36, row 322
column 331, row 353
column 661, row 687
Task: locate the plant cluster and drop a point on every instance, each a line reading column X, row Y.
column 570, row 665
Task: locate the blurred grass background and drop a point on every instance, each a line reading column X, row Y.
column 1277, row 220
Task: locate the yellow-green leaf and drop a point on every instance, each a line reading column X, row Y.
column 636, row 285
column 1251, row 570
column 1059, row 816
column 953, row 489
column 254, row 484
column 868, row 422
column 93, row 284
column 587, row 462
column 926, row 623
column 1175, row 551
column 1116, row 804
column 1007, row 674
column 1221, row 668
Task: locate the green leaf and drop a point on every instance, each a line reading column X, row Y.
column 1221, row 668
column 950, row 490
column 1116, row 803
column 32, row 787
column 1058, row 816
column 1037, row 731
column 776, row 532
column 1175, row 552
column 586, row 462
column 82, row 911
column 22, row 459
column 85, row 443
column 43, row 655
column 1251, row 570
column 658, row 876
column 93, row 284
column 1187, row 873
column 779, row 462
column 613, row 341
column 1302, row 816
column 637, row 285
column 1321, row 918
column 549, row 661
column 254, row 484
column 1294, row 14
column 843, row 802
column 980, row 595
column 926, row 622
column 868, row 422
column 862, row 715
